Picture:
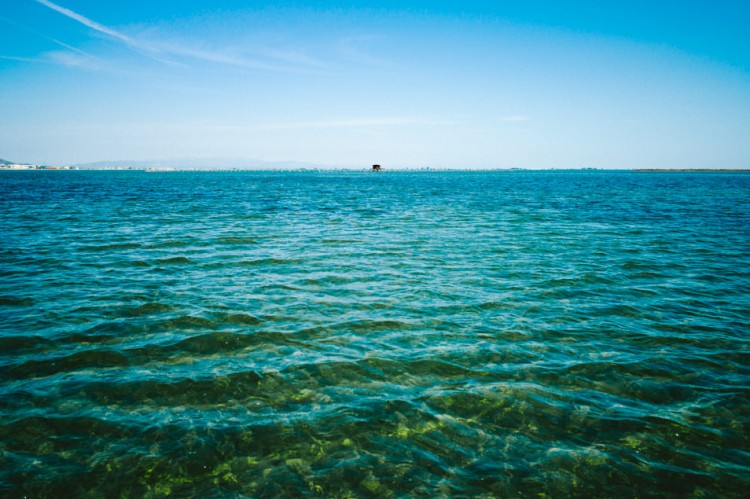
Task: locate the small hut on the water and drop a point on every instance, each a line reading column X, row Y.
column 376, row 168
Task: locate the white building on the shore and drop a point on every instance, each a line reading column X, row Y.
column 23, row 166
column 19, row 166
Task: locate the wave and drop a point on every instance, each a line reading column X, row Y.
column 260, row 262
column 110, row 247
column 79, row 360
column 294, row 334
column 176, row 393
column 176, row 260
column 13, row 301
column 243, row 240
column 147, row 309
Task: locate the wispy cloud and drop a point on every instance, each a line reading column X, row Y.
column 88, row 22
column 291, row 57
column 42, row 35
column 58, row 57
column 72, row 56
column 355, row 49
column 228, row 57
column 134, row 44
column 357, row 122
column 165, row 49
column 514, row 118
column 72, row 59
column 19, row 59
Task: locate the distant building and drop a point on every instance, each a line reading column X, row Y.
column 376, row 168
column 20, row 166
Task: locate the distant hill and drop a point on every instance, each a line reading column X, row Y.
column 4, row 162
column 201, row 164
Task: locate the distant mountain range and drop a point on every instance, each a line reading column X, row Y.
column 202, row 164
column 195, row 164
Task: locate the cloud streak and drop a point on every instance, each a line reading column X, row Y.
column 83, row 58
column 19, row 59
column 100, row 28
column 356, row 123
column 226, row 57
column 88, row 22
column 164, row 50
column 515, row 118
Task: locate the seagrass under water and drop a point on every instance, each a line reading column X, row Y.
column 259, row 334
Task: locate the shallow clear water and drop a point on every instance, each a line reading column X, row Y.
column 259, row 334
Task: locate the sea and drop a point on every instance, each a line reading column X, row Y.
column 374, row 334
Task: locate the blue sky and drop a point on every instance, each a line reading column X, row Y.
column 533, row 84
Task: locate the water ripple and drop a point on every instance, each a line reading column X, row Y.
column 345, row 334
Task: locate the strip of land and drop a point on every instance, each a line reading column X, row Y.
column 691, row 170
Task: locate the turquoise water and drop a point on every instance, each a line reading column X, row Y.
column 345, row 334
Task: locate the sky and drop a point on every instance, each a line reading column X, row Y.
column 503, row 84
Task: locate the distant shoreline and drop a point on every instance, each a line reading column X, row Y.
column 691, row 170
column 17, row 168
